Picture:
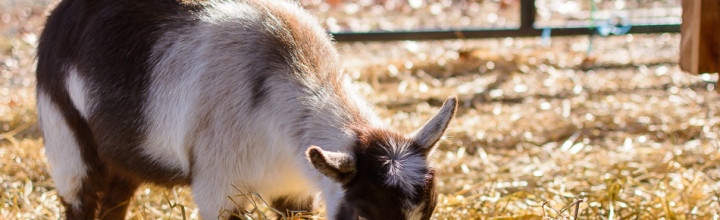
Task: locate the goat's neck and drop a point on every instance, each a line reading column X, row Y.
column 332, row 125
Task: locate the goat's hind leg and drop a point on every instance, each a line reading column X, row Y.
column 116, row 198
column 68, row 169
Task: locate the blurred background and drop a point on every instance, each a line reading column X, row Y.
column 585, row 112
column 393, row 15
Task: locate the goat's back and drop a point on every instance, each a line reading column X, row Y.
column 154, row 79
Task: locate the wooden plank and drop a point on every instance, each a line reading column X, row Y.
column 700, row 36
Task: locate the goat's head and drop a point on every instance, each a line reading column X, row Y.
column 387, row 176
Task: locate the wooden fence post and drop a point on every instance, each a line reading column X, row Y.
column 700, row 36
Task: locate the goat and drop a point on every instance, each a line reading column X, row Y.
column 218, row 95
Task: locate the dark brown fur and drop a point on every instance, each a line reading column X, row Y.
column 102, row 39
column 369, row 196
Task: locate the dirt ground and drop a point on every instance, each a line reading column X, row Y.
column 609, row 124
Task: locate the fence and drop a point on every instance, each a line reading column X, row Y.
column 527, row 28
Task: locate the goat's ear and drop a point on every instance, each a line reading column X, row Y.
column 338, row 166
column 432, row 131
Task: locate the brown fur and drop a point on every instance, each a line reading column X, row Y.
column 367, row 190
column 94, row 36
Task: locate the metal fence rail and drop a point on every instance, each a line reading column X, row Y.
column 527, row 29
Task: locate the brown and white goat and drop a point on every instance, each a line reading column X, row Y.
column 218, row 95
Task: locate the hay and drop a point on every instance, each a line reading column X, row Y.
column 541, row 127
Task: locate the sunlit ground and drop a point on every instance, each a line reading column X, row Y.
column 542, row 125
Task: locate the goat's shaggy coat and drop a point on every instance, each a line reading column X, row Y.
column 215, row 95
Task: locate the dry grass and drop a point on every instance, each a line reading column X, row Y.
column 541, row 127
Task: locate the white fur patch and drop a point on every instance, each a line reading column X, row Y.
column 200, row 105
column 62, row 151
column 76, row 88
column 170, row 103
column 185, row 61
column 333, row 195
